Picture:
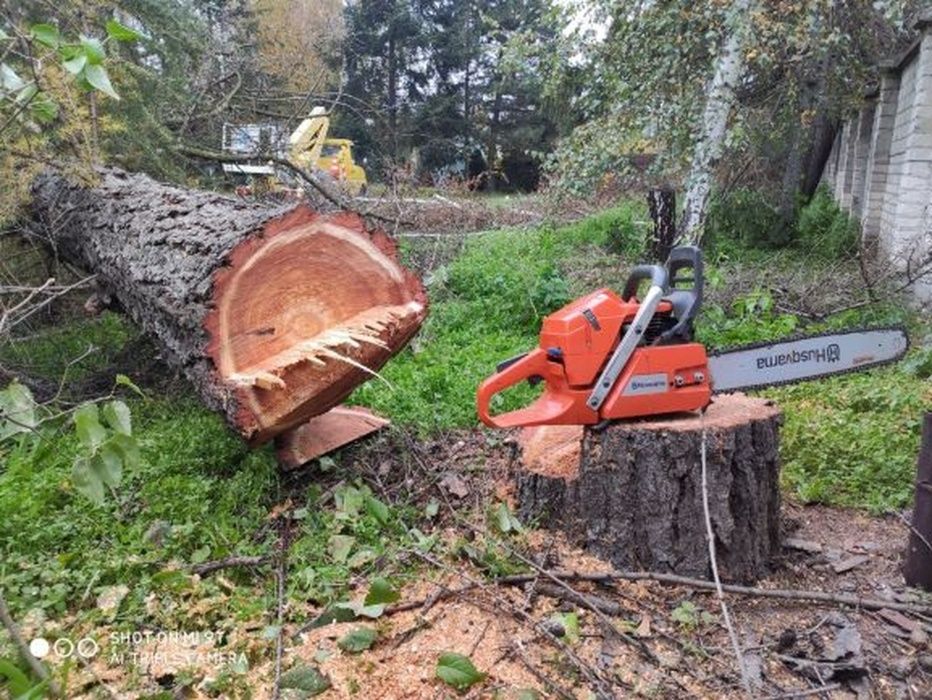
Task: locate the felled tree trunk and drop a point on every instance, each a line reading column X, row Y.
column 632, row 492
column 275, row 315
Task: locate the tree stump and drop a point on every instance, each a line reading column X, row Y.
column 631, row 493
column 274, row 314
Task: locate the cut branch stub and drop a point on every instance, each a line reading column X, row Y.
column 305, row 313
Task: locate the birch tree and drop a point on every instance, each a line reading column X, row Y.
column 713, row 127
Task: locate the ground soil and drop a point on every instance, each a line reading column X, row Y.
column 506, row 630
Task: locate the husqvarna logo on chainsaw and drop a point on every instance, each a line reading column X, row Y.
column 647, row 384
column 830, row 353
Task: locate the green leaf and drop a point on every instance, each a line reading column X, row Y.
column 108, row 463
column 381, row 591
column 570, row 624
column 117, row 415
column 76, row 64
column 432, row 508
column 340, row 547
column 362, row 557
column 9, row 80
column 503, row 520
column 97, row 77
column 306, row 678
column 349, row 500
column 358, row 640
column 93, row 49
column 17, row 682
column 17, row 410
column 129, row 448
column 121, row 32
column 25, row 95
column 373, row 612
column 457, row 671
column 46, row 34
column 43, row 108
column 377, row 509
column 338, row 612
column 87, row 425
column 86, row 481
column 123, row 380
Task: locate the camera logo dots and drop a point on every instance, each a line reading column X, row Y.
column 64, row 648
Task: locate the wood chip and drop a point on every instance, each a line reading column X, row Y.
column 802, row 545
column 454, row 485
column 845, row 565
column 899, row 619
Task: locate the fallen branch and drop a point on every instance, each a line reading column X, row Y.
column 701, row 584
column 209, row 567
column 303, row 175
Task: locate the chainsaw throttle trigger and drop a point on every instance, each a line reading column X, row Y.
column 685, row 294
column 657, row 274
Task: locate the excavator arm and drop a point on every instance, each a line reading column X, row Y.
column 306, row 142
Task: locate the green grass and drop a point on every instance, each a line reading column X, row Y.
column 197, row 478
column 82, row 347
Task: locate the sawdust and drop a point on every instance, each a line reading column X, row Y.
column 551, row 450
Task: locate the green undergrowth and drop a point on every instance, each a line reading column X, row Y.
column 79, row 347
column 199, row 493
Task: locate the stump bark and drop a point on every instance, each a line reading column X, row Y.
column 631, row 493
column 274, row 314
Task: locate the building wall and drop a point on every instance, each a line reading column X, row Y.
column 880, row 168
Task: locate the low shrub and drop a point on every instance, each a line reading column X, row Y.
column 744, row 218
column 825, row 230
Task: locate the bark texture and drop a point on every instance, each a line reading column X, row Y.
column 275, row 315
column 633, row 494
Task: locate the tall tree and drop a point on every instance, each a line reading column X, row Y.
column 300, row 41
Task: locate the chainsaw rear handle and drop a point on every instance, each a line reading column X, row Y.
column 657, row 274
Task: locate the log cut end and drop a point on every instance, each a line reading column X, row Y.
column 632, row 492
column 302, row 314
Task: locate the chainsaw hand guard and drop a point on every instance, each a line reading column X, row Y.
column 558, row 403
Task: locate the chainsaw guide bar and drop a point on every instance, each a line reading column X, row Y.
column 800, row 358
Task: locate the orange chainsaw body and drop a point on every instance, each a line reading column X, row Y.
column 576, row 342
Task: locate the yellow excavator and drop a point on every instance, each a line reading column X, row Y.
column 308, row 148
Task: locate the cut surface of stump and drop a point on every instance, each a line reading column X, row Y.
column 274, row 314
column 631, row 493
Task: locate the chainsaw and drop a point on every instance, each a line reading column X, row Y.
column 607, row 357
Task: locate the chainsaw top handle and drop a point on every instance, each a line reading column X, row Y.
column 657, row 274
column 685, row 294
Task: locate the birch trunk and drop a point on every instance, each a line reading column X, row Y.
column 719, row 100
